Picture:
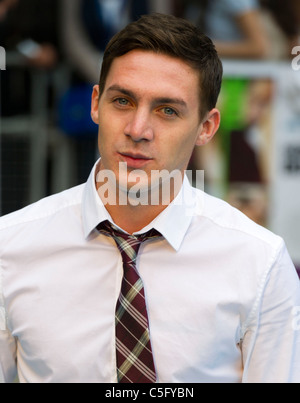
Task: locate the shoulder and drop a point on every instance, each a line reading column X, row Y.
column 246, row 251
column 234, row 224
column 43, row 209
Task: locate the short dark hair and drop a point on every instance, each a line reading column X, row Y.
column 172, row 36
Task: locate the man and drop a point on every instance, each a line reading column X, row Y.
column 214, row 296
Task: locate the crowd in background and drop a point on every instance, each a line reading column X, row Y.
column 76, row 31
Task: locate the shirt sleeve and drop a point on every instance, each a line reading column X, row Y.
column 8, row 350
column 271, row 344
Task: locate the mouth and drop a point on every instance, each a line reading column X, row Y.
column 135, row 160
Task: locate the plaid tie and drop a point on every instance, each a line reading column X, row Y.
column 133, row 347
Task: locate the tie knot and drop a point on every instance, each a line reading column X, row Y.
column 126, row 243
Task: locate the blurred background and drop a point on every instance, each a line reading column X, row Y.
column 53, row 52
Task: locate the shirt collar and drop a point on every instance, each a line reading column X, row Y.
column 172, row 223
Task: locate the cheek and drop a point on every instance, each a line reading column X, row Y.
column 111, row 127
column 106, row 128
column 182, row 145
column 105, row 142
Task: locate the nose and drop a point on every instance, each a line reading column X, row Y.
column 139, row 127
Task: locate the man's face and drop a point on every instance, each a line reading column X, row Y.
column 148, row 114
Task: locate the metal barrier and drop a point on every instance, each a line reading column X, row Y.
column 39, row 128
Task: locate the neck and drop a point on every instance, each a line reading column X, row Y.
column 132, row 212
column 133, row 218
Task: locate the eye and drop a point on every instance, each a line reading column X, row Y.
column 169, row 111
column 121, row 101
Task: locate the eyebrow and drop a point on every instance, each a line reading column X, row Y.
column 117, row 88
column 161, row 100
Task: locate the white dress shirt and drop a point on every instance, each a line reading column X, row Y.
column 222, row 294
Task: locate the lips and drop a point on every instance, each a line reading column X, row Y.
column 135, row 160
column 136, row 156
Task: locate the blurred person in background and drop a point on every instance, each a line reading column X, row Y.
column 282, row 23
column 245, row 29
column 28, row 31
column 5, row 6
column 249, row 153
column 237, row 31
column 29, row 27
column 251, row 29
column 234, row 25
column 89, row 24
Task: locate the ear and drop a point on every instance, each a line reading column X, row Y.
column 95, row 105
column 209, row 127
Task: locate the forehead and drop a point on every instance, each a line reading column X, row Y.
column 147, row 72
